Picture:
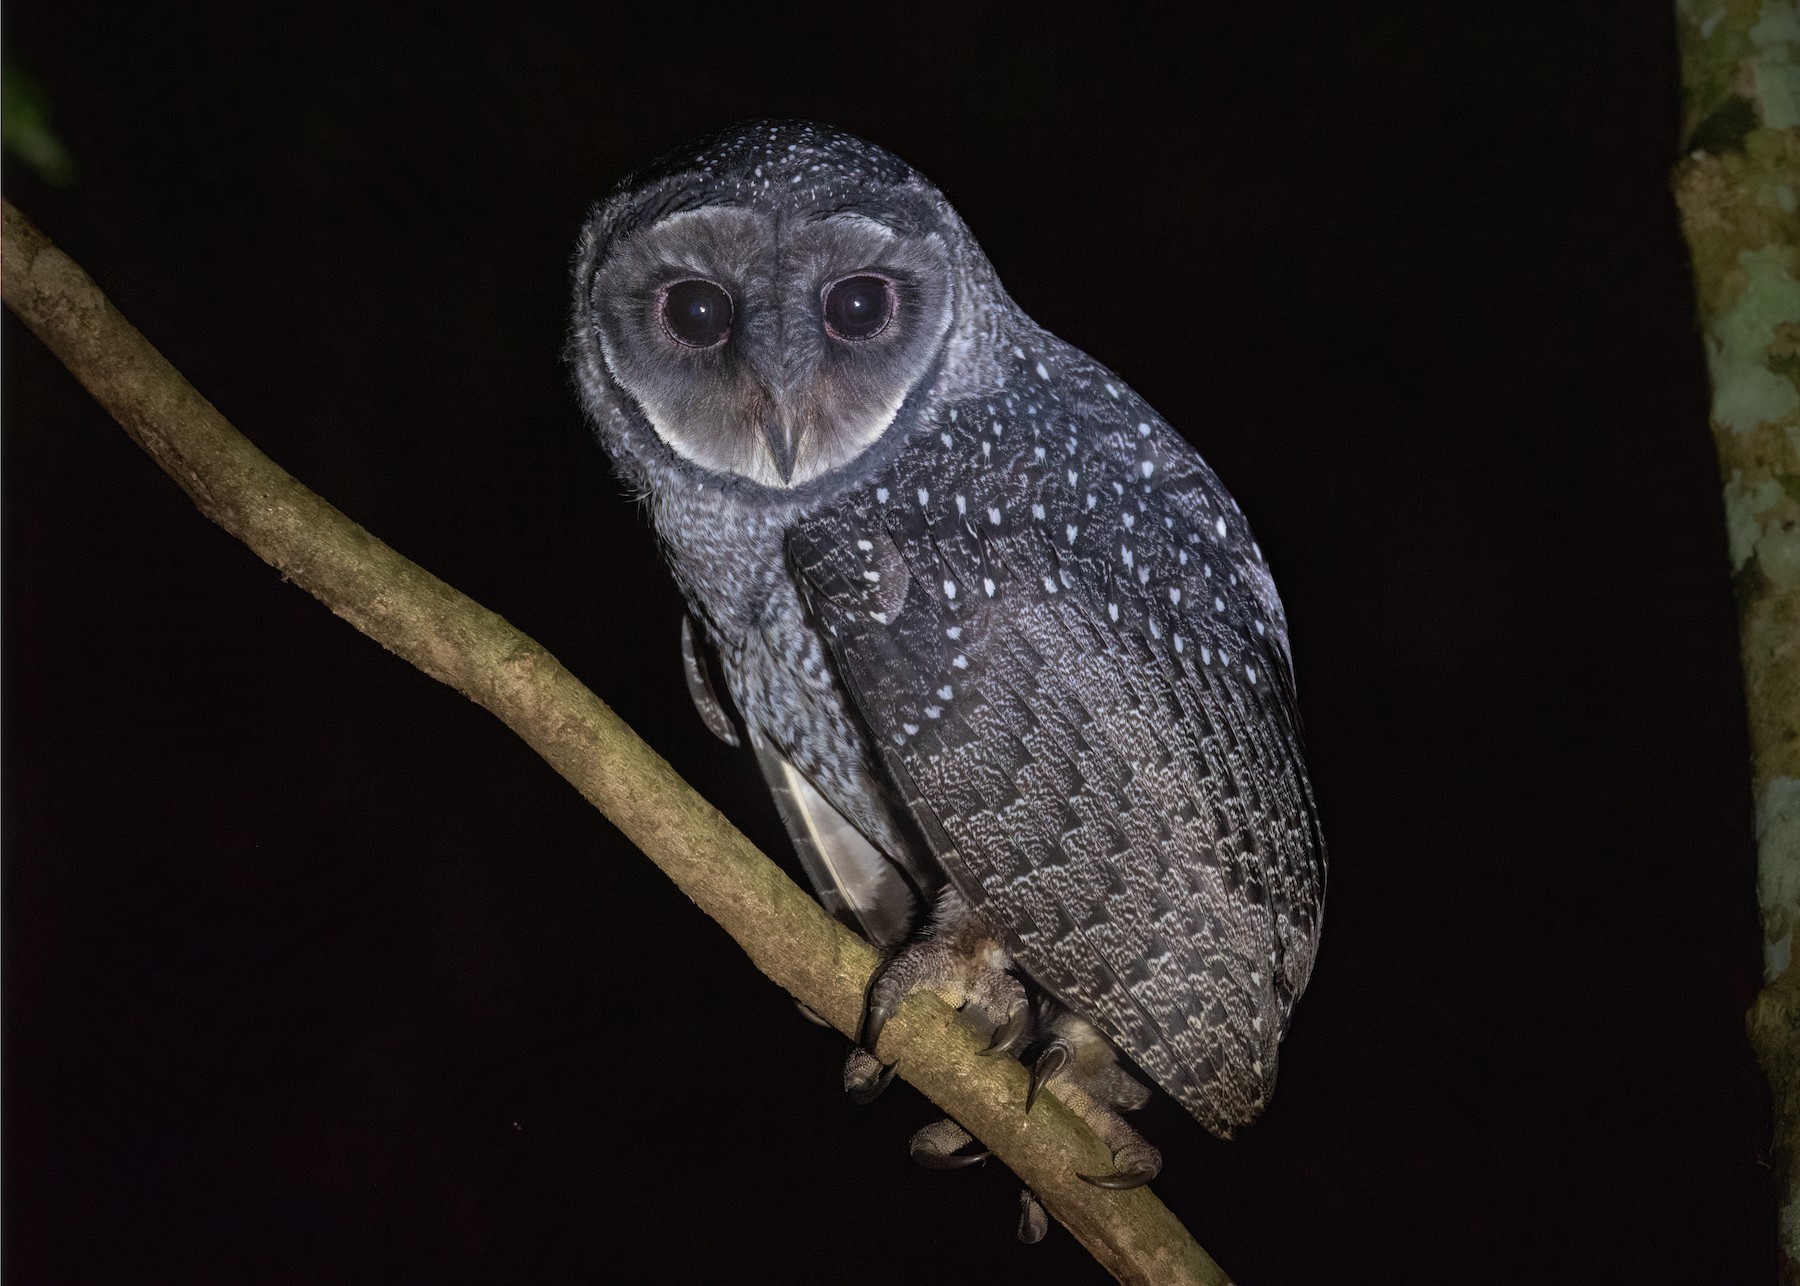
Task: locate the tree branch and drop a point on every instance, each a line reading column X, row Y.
column 1737, row 186
column 458, row 642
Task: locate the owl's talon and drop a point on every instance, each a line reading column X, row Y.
column 883, row 1002
column 810, row 1014
column 1055, row 1057
column 937, row 1147
column 1033, row 1222
column 1010, row 1034
column 1135, row 1172
column 866, row 1077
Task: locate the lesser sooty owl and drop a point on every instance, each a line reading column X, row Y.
column 1003, row 646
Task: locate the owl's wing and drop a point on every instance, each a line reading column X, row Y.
column 1106, row 763
column 859, row 887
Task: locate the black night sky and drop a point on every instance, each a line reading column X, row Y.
column 314, row 973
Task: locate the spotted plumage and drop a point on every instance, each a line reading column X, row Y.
column 1006, row 648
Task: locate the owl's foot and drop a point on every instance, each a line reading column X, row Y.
column 1135, row 1161
column 960, row 960
column 941, row 1146
column 865, row 1077
column 1033, row 1222
column 1083, row 1070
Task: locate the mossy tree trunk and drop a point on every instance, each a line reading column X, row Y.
column 1738, row 188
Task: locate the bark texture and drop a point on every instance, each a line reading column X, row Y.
column 460, row 643
column 1738, row 188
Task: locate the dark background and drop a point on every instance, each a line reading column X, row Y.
column 314, row 973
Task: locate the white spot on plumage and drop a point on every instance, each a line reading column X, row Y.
column 1174, row 595
column 872, row 577
column 1148, row 467
column 1143, row 429
column 1219, row 525
column 954, row 632
column 960, row 661
column 932, row 712
column 865, row 546
column 946, row 692
column 924, row 496
column 1250, row 673
column 911, row 730
column 962, row 506
column 1112, row 610
column 1218, row 603
column 987, row 583
column 993, row 516
column 1042, row 374
column 1071, row 531
column 949, row 589
column 1205, row 655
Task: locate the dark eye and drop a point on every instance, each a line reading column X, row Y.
column 697, row 313
column 858, row 307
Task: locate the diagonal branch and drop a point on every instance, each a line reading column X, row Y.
column 458, row 642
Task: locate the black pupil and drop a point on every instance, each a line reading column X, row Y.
column 858, row 307
column 697, row 312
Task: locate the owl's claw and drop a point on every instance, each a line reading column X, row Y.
column 883, row 1002
column 1010, row 1034
column 866, row 1077
column 810, row 1014
column 1055, row 1057
column 1137, row 1165
column 938, row 1147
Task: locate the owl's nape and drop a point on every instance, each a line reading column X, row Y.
column 1003, row 647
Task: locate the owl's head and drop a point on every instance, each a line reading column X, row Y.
column 768, row 301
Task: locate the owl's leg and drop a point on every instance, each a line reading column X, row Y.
column 959, row 959
column 1082, row 1067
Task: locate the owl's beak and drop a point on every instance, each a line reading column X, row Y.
column 783, row 437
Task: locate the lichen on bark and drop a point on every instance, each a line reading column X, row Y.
column 1738, row 188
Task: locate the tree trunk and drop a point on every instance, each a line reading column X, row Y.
column 1738, row 188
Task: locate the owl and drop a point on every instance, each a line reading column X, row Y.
column 1004, row 648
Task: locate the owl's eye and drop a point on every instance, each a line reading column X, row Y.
column 858, row 307
column 697, row 313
